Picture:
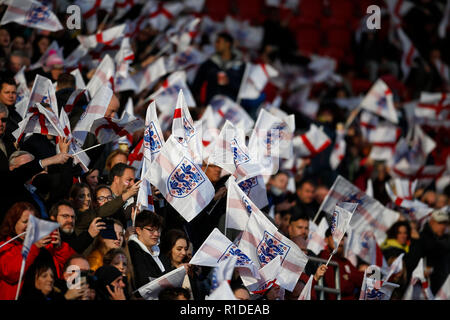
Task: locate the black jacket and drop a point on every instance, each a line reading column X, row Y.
column 8, row 141
column 79, row 243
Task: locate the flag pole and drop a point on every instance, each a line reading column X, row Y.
column 84, row 150
column 326, row 265
column 243, row 80
column 22, row 269
column 352, row 117
column 12, row 239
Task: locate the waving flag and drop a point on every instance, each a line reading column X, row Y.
column 183, row 35
column 418, row 288
column 380, row 101
column 424, row 174
column 173, row 279
column 43, row 91
column 263, row 242
column 223, row 272
column 384, row 141
column 433, row 106
column 124, row 57
column 106, row 37
column 103, row 76
column 223, row 292
column 217, row 248
column 209, row 132
column 89, row 9
column 161, row 14
column 255, row 189
column 374, row 289
column 368, row 122
column 255, row 80
column 152, row 73
column 136, row 157
column 32, row 14
column 153, row 138
column 369, row 214
column 36, row 230
column 338, row 152
column 316, row 240
column 395, row 267
column 409, row 53
column 269, row 277
column 306, row 292
column 189, row 58
column 340, row 221
column 226, row 109
column 96, row 109
column 244, row 33
column 311, row 143
column 444, row 291
column 182, row 182
column 109, row 129
column 53, row 48
column 75, row 56
column 397, row 9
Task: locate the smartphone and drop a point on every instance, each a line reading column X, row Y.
column 109, row 232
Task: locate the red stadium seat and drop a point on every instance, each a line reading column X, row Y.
column 217, row 10
column 308, row 39
column 341, row 9
column 360, row 86
column 250, row 10
column 334, row 23
column 311, row 8
column 339, row 38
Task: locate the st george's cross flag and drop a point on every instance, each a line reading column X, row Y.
column 268, row 277
column 433, row 106
column 136, row 157
column 161, row 14
column 106, row 37
column 338, row 152
column 182, row 182
column 231, row 154
column 95, row 109
column 32, row 14
column 89, row 9
column 172, row 279
column 444, row 291
column 226, row 109
column 103, row 76
column 380, row 101
column 370, row 213
column 216, row 248
column 368, row 122
column 254, row 188
column 38, row 120
column 124, row 58
column 384, row 140
column 263, row 242
column 395, row 267
column 311, row 143
column 109, row 129
column 409, row 53
column 316, row 238
column 182, row 35
column 306, row 292
column 419, row 287
column 239, row 206
column 255, row 79
column 153, row 72
column 375, row 289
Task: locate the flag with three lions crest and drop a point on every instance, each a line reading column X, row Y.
column 182, row 182
column 263, row 242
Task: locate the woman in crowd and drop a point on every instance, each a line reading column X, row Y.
column 109, row 284
column 118, row 258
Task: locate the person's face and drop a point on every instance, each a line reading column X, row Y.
column 181, row 297
column 441, row 201
column 92, row 179
column 340, row 250
column 8, row 94
column 82, row 264
column 299, row 227
column 4, row 38
column 20, row 161
column 113, row 107
column 306, row 193
column 103, row 196
column 438, row 228
column 285, row 221
column 3, row 120
column 241, row 294
column 121, row 263
column 44, row 282
column 213, row 173
column 118, row 283
column 66, row 219
column 55, row 72
column 119, row 158
column 280, row 182
column 83, row 199
column 114, row 244
column 15, row 63
column 21, row 224
column 148, row 235
column 179, row 251
column 402, row 235
column 126, row 180
column 320, row 194
column 43, row 45
column 221, row 45
column 19, row 43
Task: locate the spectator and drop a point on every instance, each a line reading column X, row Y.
column 109, row 284
column 240, row 291
column 298, row 225
column 305, row 198
column 115, row 157
column 91, row 178
column 103, row 194
column 118, row 258
column 8, row 95
column 6, row 140
column 174, row 293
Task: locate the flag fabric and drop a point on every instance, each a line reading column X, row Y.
column 306, row 292
column 32, row 14
column 340, row 221
column 43, row 91
column 79, row 81
column 239, row 206
column 255, row 80
column 418, row 288
column 209, row 132
column 161, row 14
column 338, row 152
column 123, row 58
column 153, row 137
column 311, row 143
column 144, row 199
column 443, row 70
column 255, row 189
column 370, row 213
column 316, row 240
column 36, row 230
column 182, row 182
column 384, row 140
column 223, row 272
column 109, row 129
column 223, row 292
column 216, row 248
column 103, row 75
column 187, row 59
column 444, row 291
column 95, row 109
column 53, row 48
column 226, row 109
column 395, row 267
column 368, row 122
column 397, row 9
column 409, row 53
column 424, row 174
column 268, row 277
column 380, row 101
column 373, row 289
column 433, row 106
column 106, row 37
column 263, row 242
column 136, row 157
column 184, row 32
column 172, row 279
column 442, row 29
column 245, row 34
column 369, row 188
column 75, row 56
column 89, row 9
column 231, row 154
column 152, row 73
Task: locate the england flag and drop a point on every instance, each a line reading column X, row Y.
column 255, row 189
column 380, row 101
column 103, row 76
column 173, row 279
column 106, row 37
column 311, row 143
column 255, row 80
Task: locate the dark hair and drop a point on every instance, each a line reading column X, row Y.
column 297, row 214
column 118, row 170
column 170, row 238
column 148, row 218
column 13, row 215
column 54, row 209
column 278, row 173
column 303, row 181
column 171, row 293
column 111, row 156
column 75, row 189
column 39, row 266
column 7, row 80
column 226, row 36
column 100, row 187
column 65, row 80
column 393, row 230
column 109, row 256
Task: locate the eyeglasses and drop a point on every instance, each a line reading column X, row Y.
column 101, row 198
column 66, row 216
column 3, row 119
column 151, row 230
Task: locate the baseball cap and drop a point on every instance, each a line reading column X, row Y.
column 441, row 215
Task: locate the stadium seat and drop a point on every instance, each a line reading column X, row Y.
column 250, row 10
column 339, row 38
column 218, row 10
column 341, row 9
column 308, row 39
column 311, row 8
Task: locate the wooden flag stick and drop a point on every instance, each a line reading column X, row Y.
column 97, row 145
column 352, row 117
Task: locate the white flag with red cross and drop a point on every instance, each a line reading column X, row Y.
column 226, row 109
column 43, row 91
column 384, row 140
column 153, row 72
column 311, row 143
column 172, row 279
column 433, row 106
column 338, row 152
column 109, row 129
column 419, row 286
column 103, row 76
column 409, row 53
column 89, row 9
column 161, row 14
column 444, row 291
column 106, row 37
column 380, row 101
column 255, row 80
column 32, row 14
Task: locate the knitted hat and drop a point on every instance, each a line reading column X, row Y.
column 53, row 60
